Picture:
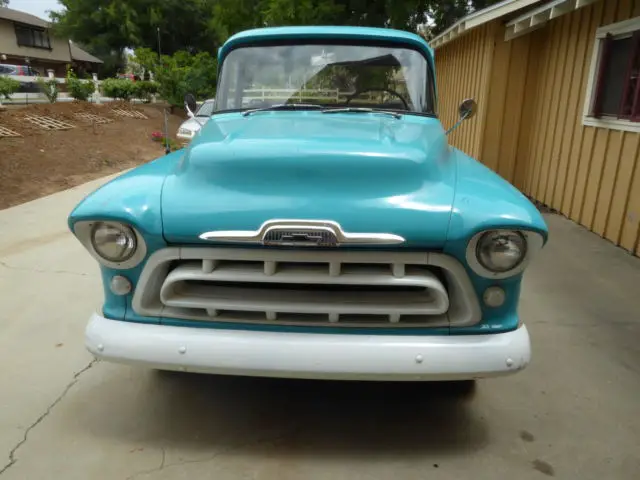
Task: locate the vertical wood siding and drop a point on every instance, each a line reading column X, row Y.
column 589, row 174
column 463, row 68
column 531, row 92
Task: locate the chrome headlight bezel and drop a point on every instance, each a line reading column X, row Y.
column 533, row 242
column 84, row 231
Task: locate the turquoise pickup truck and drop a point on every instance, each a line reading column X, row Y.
column 319, row 225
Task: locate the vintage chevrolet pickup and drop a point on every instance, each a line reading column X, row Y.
column 319, row 225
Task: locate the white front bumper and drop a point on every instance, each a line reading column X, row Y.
column 306, row 355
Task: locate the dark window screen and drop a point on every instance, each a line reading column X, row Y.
column 618, row 86
column 23, row 35
column 614, row 76
column 32, row 37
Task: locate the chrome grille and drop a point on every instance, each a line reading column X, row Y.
column 302, row 287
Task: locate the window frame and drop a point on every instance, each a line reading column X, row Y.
column 604, row 35
column 32, row 31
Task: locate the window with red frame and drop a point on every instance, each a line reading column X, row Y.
column 617, row 91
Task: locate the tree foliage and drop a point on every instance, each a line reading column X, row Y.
column 49, row 88
column 8, row 86
column 143, row 90
column 107, row 27
column 180, row 73
column 78, row 89
column 202, row 25
column 119, row 88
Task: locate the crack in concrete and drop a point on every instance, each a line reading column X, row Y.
column 12, row 454
column 151, row 470
column 259, row 441
column 35, row 270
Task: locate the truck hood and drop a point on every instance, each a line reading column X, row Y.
column 371, row 173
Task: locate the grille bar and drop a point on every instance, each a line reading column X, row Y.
column 302, row 287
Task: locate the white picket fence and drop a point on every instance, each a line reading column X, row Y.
column 326, row 95
column 261, row 94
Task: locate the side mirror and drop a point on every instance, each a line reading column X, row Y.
column 190, row 104
column 466, row 110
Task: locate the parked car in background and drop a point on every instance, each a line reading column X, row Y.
column 128, row 76
column 197, row 119
column 334, row 234
column 19, row 70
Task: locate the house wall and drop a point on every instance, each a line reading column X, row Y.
column 589, row 174
column 463, row 69
column 8, row 45
column 529, row 127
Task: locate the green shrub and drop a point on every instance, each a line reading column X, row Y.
column 78, row 89
column 119, row 88
column 49, row 88
column 8, row 86
column 144, row 89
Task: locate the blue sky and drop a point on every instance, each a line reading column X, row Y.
column 35, row 7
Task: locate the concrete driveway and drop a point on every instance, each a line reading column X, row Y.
column 573, row 414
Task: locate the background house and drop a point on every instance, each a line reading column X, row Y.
column 558, row 87
column 27, row 40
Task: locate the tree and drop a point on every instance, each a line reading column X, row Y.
column 8, row 86
column 231, row 16
column 180, row 73
column 444, row 13
column 107, row 27
column 78, row 89
column 4, row 3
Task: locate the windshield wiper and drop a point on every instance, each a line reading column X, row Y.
column 360, row 110
column 284, row 106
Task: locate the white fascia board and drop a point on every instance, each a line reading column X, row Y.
column 537, row 17
column 479, row 18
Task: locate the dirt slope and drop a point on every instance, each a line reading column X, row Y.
column 42, row 162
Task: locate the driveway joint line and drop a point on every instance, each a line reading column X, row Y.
column 36, row 270
column 12, row 454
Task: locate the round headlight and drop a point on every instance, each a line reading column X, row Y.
column 113, row 241
column 501, row 251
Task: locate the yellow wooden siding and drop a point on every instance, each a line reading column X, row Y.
column 589, row 174
column 531, row 93
column 463, row 69
column 506, row 104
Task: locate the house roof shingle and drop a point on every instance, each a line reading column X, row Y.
column 80, row 55
column 22, row 17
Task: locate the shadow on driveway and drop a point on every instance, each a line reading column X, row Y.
column 294, row 417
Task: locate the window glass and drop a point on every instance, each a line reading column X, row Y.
column 614, row 76
column 329, row 75
column 206, row 110
column 23, row 36
column 32, row 37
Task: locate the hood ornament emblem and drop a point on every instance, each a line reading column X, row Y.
column 302, row 233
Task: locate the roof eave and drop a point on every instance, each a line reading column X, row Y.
column 538, row 17
column 479, row 18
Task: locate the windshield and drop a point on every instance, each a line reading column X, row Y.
column 205, row 110
column 388, row 78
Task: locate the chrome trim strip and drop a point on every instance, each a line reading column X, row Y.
column 257, row 236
